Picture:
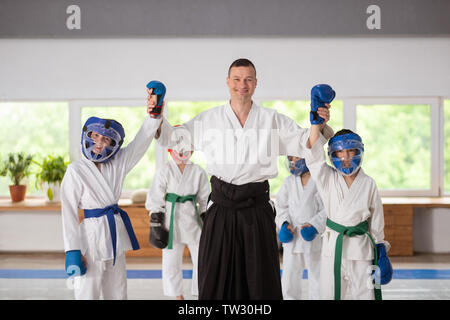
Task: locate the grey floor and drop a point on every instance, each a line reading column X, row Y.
column 416, row 287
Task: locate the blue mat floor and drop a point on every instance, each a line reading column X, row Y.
column 404, row 274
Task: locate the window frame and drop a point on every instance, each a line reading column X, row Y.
column 442, row 192
column 436, row 144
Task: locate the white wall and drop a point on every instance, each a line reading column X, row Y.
column 31, row 231
column 195, row 69
column 431, row 230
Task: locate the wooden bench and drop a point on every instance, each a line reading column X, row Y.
column 398, row 220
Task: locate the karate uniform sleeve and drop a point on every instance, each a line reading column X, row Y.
column 377, row 218
column 292, row 138
column 169, row 134
column 71, row 190
column 327, row 132
column 156, row 197
column 129, row 156
column 319, row 219
column 282, row 205
column 193, row 131
column 318, row 167
column 166, row 133
column 203, row 192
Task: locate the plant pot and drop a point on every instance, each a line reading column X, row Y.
column 17, row 193
column 52, row 192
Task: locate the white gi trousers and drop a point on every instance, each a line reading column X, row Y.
column 172, row 274
column 355, row 279
column 102, row 277
column 291, row 281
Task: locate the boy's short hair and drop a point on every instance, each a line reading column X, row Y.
column 342, row 132
column 242, row 62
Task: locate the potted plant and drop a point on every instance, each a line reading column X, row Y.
column 50, row 175
column 17, row 167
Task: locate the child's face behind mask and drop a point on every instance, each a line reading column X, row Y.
column 180, row 158
column 346, row 157
column 101, row 142
column 292, row 161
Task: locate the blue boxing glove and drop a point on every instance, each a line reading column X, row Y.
column 384, row 264
column 160, row 90
column 285, row 235
column 74, row 264
column 308, row 233
column 320, row 94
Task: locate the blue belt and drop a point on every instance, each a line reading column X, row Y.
column 110, row 211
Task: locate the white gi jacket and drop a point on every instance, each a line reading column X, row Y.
column 345, row 206
column 169, row 179
column 298, row 204
column 85, row 187
column 237, row 154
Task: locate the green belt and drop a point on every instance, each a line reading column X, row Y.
column 174, row 198
column 360, row 229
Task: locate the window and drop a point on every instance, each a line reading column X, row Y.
column 397, row 144
column 298, row 110
column 401, row 144
column 38, row 128
column 446, row 146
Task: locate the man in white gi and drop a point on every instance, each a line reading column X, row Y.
column 353, row 242
column 300, row 214
column 172, row 201
column 95, row 248
column 238, row 253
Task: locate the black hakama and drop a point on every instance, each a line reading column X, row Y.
column 238, row 254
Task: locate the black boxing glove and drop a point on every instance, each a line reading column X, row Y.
column 159, row 236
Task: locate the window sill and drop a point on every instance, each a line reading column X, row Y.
column 40, row 204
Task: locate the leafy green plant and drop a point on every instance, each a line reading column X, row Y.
column 52, row 170
column 16, row 166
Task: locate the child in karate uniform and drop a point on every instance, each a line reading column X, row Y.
column 95, row 248
column 175, row 218
column 301, row 219
column 353, row 242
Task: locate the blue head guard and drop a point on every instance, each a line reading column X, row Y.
column 298, row 167
column 345, row 142
column 108, row 128
column 160, row 90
